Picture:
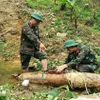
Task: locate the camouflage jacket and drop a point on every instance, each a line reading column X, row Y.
column 29, row 39
column 84, row 56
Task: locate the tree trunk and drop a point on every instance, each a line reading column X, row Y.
column 55, row 1
column 71, row 14
column 74, row 79
column 75, row 23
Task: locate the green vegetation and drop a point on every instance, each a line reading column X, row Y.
column 62, row 93
column 6, row 51
column 51, row 64
column 87, row 11
column 38, row 3
column 55, row 94
column 5, row 93
column 72, row 7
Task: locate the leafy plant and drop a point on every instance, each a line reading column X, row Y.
column 68, row 93
column 54, row 94
column 51, row 64
column 71, row 5
column 5, row 93
column 48, row 95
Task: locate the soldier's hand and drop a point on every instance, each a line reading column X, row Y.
column 42, row 47
column 59, row 69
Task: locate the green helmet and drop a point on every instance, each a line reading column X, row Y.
column 37, row 16
column 70, row 43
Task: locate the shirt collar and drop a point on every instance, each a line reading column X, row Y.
column 30, row 24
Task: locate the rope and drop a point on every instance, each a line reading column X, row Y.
column 71, row 85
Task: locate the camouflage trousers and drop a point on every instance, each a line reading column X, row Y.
column 85, row 68
column 25, row 58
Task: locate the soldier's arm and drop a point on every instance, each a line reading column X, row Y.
column 85, row 50
column 29, row 33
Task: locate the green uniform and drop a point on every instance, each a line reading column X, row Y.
column 83, row 61
column 30, row 44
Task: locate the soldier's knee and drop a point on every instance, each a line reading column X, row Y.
column 40, row 56
column 85, row 69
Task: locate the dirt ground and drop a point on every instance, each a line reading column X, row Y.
column 10, row 19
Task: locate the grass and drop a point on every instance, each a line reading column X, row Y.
column 38, row 4
column 84, row 14
column 6, row 51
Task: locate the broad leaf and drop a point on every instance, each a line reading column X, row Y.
column 54, row 92
column 68, row 2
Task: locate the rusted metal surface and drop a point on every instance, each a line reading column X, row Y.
column 73, row 79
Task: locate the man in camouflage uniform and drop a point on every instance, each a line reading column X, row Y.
column 80, row 58
column 31, row 45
